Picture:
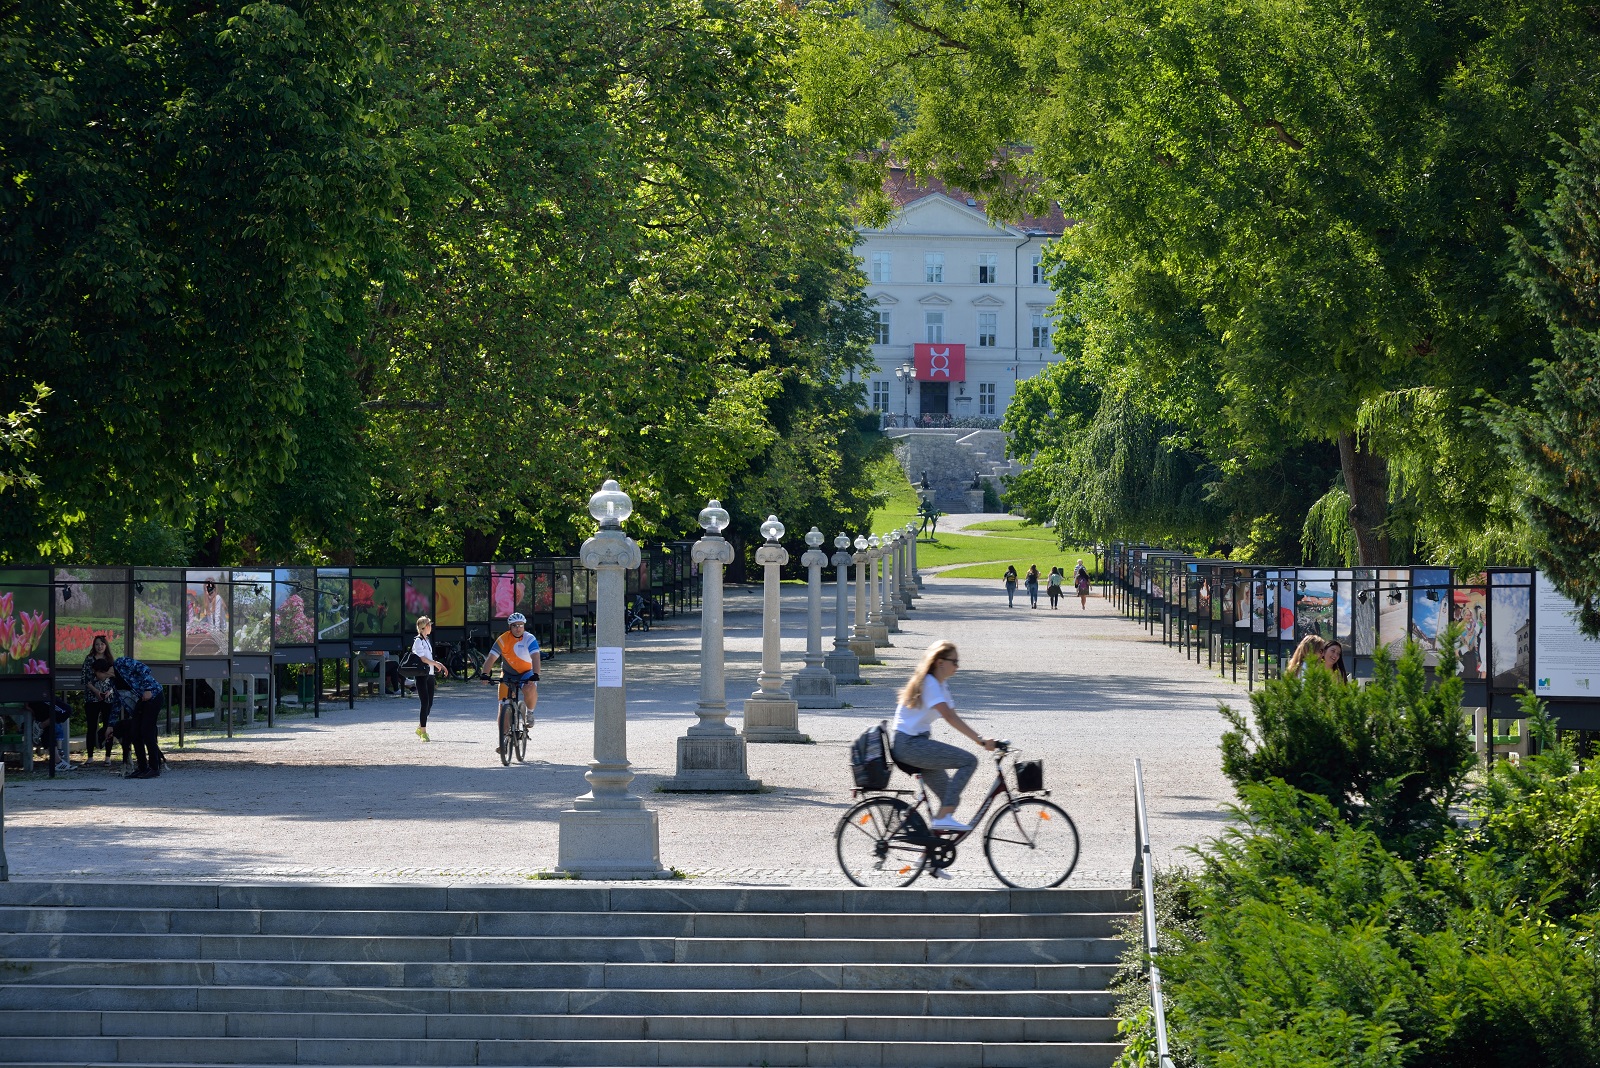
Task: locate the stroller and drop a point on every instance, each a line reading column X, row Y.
column 638, row 613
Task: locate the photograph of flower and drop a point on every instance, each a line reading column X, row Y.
column 450, row 597
column 89, row 601
column 293, row 606
column 206, row 614
column 252, row 612
column 543, row 593
column 25, row 623
column 508, row 590
column 375, row 601
column 418, row 598
column 157, row 616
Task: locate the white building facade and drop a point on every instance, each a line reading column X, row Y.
column 962, row 306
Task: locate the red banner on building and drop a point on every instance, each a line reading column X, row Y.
column 941, row 363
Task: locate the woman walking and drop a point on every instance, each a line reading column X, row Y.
column 1011, row 586
column 1032, row 582
column 1053, row 586
column 422, row 647
column 924, row 699
column 1080, row 582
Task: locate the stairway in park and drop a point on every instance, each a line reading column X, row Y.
column 555, row 974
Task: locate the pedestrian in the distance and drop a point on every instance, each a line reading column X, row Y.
column 422, row 646
column 1080, row 582
column 126, row 673
column 1011, row 586
column 1053, row 586
column 97, row 701
column 1032, row 582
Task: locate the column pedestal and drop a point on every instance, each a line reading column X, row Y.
column 771, row 714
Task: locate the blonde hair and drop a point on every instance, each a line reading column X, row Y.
column 911, row 692
column 1310, row 644
column 423, row 621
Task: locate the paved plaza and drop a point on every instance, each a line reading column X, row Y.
column 356, row 795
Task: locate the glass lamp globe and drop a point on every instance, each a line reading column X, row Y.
column 842, row 542
column 772, row 530
column 860, row 543
column 815, row 538
column 873, row 542
column 910, row 529
column 714, row 518
column 895, row 535
column 610, row 506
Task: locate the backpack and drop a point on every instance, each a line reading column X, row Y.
column 869, row 759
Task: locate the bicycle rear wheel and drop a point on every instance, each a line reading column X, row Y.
column 868, row 846
column 522, row 734
column 1031, row 844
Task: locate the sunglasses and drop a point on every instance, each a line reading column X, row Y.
column 951, row 660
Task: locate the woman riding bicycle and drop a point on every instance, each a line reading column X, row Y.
column 925, row 698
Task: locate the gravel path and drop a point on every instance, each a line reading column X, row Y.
column 356, row 795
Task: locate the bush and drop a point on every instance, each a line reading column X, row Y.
column 1393, row 754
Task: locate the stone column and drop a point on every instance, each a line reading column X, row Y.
column 711, row 756
column 916, row 576
column 908, row 553
column 861, row 641
column 890, row 592
column 608, row 833
column 771, row 714
column 814, row 685
column 875, row 622
column 841, row 661
column 902, row 571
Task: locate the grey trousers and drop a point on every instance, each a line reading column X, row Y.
column 932, row 758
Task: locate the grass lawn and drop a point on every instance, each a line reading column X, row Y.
column 982, row 555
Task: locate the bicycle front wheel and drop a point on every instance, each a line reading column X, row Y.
column 508, row 741
column 867, row 842
column 522, row 735
column 1032, row 844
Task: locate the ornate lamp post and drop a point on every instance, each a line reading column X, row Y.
column 608, row 833
column 891, row 595
column 771, row 714
column 841, row 662
column 711, row 755
column 814, row 685
column 861, row 641
column 875, row 622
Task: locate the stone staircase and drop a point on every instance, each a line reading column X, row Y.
column 555, row 974
column 950, row 458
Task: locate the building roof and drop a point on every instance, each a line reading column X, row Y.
column 905, row 189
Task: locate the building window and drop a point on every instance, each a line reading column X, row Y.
column 882, row 264
column 1037, row 262
column 933, row 267
column 880, row 396
column 880, row 328
column 988, row 269
column 935, row 326
column 988, row 326
column 1041, row 331
column 985, row 398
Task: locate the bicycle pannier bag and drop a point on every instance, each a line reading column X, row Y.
column 869, row 763
column 1030, row 776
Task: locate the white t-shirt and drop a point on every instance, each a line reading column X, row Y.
column 424, row 650
column 919, row 720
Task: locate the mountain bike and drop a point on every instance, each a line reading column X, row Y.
column 1030, row 842
column 514, row 710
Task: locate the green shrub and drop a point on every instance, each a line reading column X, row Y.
column 1393, row 754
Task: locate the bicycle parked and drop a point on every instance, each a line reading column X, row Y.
column 1030, row 842
column 463, row 660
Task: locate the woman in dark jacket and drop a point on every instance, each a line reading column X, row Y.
column 1032, row 582
column 1011, row 586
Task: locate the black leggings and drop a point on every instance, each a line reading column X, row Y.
column 425, row 684
column 145, row 748
column 97, row 718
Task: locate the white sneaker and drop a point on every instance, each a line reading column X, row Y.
column 940, row 873
column 949, row 823
column 64, row 765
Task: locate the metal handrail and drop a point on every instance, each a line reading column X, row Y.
column 1142, row 876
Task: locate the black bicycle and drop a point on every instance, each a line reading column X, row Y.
column 463, row 661
column 1030, row 842
column 518, row 720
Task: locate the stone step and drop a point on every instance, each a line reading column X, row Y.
column 18, row 920
column 845, row 1054
column 49, row 998
column 552, row 898
column 462, row 1026
column 389, row 950
column 556, row 975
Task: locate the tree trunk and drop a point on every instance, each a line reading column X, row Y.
column 210, row 554
column 479, row 546
column 1366, row 479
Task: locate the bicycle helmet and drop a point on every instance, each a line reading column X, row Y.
column 516, row 617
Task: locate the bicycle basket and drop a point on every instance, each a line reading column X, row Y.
column 1030, row 776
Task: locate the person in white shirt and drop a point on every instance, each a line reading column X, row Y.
column 423, row 647
column 924, row 699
